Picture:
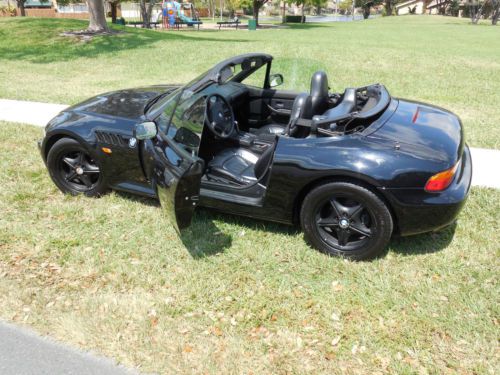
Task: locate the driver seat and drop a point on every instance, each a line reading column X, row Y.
column 239, row 166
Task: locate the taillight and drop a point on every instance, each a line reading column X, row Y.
column 442, row 180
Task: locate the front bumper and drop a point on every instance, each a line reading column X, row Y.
column 418, row 211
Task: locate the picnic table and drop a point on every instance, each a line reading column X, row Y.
column 234, row 22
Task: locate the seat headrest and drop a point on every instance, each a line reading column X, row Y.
column 349, row 95
column 299, row 106
column 319, row 84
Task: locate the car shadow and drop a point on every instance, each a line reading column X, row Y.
column 204, row 238
column 426, row 243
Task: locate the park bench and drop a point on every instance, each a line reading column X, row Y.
column 235, row 22
column 154, row 21
column 178, row 23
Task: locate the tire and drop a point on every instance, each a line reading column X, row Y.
column 347, row 220
column 73, row 169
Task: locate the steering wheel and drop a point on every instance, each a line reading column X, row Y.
column 219, row 116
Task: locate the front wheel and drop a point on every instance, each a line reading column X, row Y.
column 345, row 219
column 73, row 169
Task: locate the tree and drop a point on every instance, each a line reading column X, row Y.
column 345, row 7
column 146, row 10
column 20, row 5
column 366, row 5
column 318, row 5
column 114, row 9
column 495, row 15
column 389, row 4
column 256, row 5
column 97, row 16
column 476, row 10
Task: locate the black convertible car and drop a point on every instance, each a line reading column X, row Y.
column 352, row 168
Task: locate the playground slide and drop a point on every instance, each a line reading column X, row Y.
column 187, row 19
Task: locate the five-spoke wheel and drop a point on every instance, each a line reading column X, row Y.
column 73, row 169
column 346, row 219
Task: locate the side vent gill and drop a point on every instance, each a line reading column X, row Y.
column 111, row 139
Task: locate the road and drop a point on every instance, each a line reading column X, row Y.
column 23, row 352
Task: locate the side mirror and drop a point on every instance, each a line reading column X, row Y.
column 145, row 130
column 275, row 80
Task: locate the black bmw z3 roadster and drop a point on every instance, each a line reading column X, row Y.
column 351, row 168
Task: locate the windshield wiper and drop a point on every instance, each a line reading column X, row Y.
column 155, row 100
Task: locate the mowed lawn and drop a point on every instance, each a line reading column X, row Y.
column 233, row 295
column 441, row 60
column 239, row 296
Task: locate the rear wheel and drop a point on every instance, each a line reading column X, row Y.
column 346, row 219
column 73, row 169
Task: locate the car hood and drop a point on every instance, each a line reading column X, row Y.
column 425, row 131
column 129, row 103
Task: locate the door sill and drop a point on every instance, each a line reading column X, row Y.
column 232, row 198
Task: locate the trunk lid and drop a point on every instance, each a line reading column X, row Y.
column 424, row 130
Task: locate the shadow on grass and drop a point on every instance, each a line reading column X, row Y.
column 203, row 238
column 426, row 243
column 306, row 26
column 38, row 40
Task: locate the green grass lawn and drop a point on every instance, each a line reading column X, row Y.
column 239, row 296
column 234, row 295
column 441, row 60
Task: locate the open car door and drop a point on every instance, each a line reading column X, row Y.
column 178, row 179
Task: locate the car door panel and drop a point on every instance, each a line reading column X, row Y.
column 176, row 176
column 267, row 105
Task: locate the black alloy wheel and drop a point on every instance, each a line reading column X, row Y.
column 346, row 219
column 73, row 169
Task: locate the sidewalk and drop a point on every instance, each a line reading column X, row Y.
column 484, row 161
column 23, row 352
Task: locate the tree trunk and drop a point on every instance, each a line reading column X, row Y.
column 114, row 8
column 496, row 13
column 388, row 7
column 20, row 5
column 475, row 13
column 302, row 20
column 283, row 17
column 97, row 17
column 256, row 7
column 146, row 13
column 366, row 12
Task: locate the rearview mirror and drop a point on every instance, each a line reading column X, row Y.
column 275, row 80
column 145, row 130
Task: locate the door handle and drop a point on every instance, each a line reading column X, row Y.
column 284, row 112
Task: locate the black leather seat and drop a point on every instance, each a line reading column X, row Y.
column 320, row 97
column 274, row 129
column 319, row 102
column 239, row 166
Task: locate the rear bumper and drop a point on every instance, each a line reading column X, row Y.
column 418, row 211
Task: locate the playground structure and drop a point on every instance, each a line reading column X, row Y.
column 176, row 14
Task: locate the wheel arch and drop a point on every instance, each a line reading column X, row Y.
column 53, row 138
column 364, row 182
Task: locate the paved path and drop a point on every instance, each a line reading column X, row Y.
column 22, row 352
column 485, row 162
